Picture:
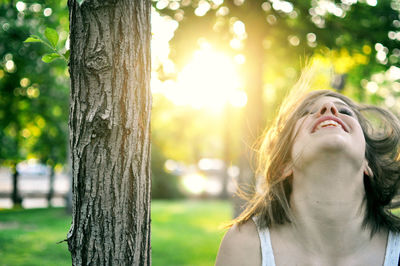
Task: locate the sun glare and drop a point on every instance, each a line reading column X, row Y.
column 210, row 80
column 194, row 183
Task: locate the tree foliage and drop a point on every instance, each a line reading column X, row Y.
column 33, row 95
column 349, row 34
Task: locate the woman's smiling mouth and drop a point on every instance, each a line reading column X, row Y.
column 329, row 121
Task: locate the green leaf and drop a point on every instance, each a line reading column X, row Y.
column 52, row 36
column 47, row 58
column 66, row 55
column 33, row 38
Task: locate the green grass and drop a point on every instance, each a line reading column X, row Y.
column 29, row 237
column 187, row 233
column 183, row 233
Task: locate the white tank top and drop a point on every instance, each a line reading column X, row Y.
column 391, row 256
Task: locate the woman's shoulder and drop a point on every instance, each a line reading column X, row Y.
column 240, row 246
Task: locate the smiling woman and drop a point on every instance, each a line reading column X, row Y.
column 329, row 175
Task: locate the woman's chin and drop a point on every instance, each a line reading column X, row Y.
column 334, row 142
column 331, row 147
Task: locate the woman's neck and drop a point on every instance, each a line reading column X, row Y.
column 328, row 206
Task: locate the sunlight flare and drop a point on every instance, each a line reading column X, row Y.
column 194, row 183
column 210, row 80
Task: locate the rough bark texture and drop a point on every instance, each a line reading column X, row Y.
column 110, row 132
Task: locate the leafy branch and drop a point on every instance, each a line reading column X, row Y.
column 51, row 42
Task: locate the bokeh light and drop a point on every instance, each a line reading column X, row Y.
column 195, row 183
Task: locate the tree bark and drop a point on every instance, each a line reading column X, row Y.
column 110, row 132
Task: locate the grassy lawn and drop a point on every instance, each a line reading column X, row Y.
column 183, row 233
column 29, row 237
column 187, row 233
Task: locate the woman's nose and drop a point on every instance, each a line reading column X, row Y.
column 328, row 108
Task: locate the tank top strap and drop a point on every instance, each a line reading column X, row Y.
column 392, row 249
column 267, row 255
column 392, row 254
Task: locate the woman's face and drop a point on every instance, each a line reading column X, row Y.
column 328, row 126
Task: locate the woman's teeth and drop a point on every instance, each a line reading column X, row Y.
column 328, row 123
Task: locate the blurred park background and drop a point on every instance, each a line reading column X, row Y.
column 220, row 69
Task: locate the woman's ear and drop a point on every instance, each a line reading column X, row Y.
column 368, row 170
column 287, row 171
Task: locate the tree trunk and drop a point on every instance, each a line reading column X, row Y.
column 50, row 194
column 227, row 141
column 110, row 132
column 252, row 124
column 68, row 196
column 15, row 197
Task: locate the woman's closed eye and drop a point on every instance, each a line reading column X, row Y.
column 308, row 112
column 345, row 111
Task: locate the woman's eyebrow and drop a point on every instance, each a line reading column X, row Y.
column 341, row 103
column 312, row 107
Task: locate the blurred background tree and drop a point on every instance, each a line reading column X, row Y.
column 33, row 94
